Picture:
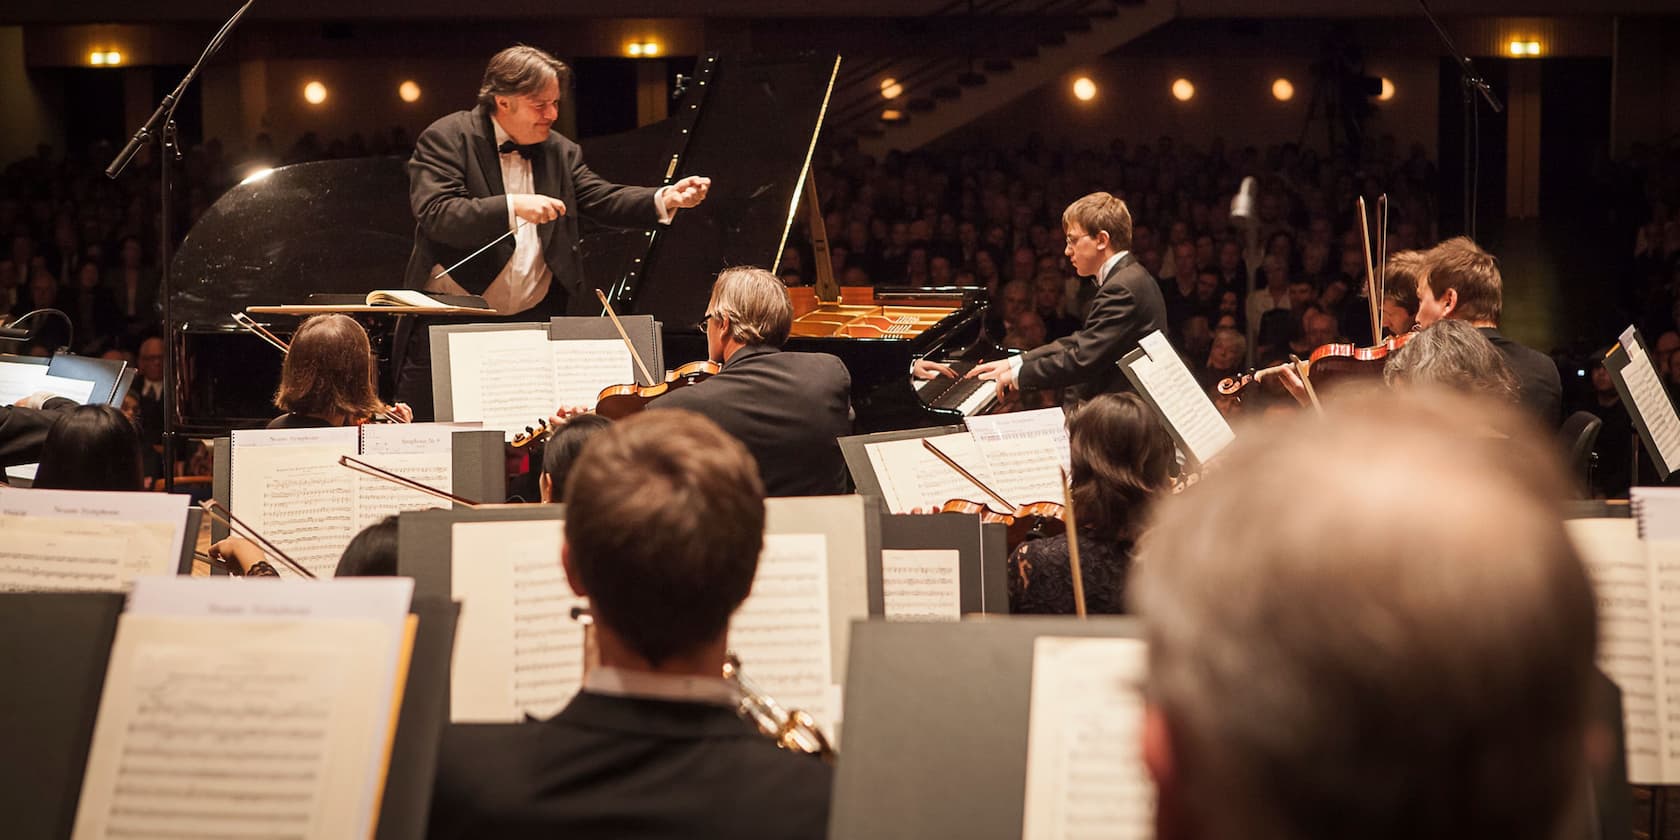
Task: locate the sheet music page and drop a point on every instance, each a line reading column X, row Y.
column 107, row 506
column 913, row 477
column 1651, row 402
column 1627, row 634
column 585, row 366
column 287, row 485
column 922, row 584
column 268, row 737
column 517, row 649
column 1085, row 773
column 504, row 378
column 377, row 498
column 404, row 438
column 1024, row 451
column 781, row 632
column 1182, row 403
column 83, row 555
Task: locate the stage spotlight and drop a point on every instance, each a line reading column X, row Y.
column 408, row 91
column 891, row 89
column 1387, row 89
column 1183, row 90
column 1283, row 90
column 315, row 93
column 112, row 57
column 634, row 49
column 1084, row 89
column 97, row 57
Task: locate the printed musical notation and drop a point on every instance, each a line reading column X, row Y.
column 913, row 477
column 584, row 367
column 82, row 555
column 501, row 377
column 922, row 584
column 781, row 632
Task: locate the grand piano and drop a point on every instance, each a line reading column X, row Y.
column 337, row 227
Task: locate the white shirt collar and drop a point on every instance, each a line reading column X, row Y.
column 1108, row 265
column 620, row 682
column 501, row 134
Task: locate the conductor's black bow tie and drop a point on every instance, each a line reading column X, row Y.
column 526, row 151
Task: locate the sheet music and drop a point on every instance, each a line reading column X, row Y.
column 110, row 507
column 269, row 737
column 913, row 477
column 1024, row 451
column 585, row 366
column 517, row 649
column 83, row 555
column 922, row 584
column 377, row 498
column 404, row 438
column 1182, row 403
column 781, row 632
column 504, row 378
column 19, row 380
column 1651, row 403
column 1627, row 644
column 1085, row 773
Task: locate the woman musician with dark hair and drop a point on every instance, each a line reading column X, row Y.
column 328, row 378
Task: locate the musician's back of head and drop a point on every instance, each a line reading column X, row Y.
column 1401, row 651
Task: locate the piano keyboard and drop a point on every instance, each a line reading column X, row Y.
column 968, row 396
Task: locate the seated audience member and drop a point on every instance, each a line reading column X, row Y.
column 91, row 447
column 562, row 450
column 1311, row 678
column 1224, row 358
column 1122, row 459
column 665, row 521
column 790, row 409
column 1453, row 355
column 1461, row 281
column 1026, row 332
column 371, row 553
column 1049, row 303
column 328, row 377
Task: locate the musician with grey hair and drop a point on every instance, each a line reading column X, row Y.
column 788, row 408
column 1453, row 354
column 664, row 525
column 1313, row 677
column 500, row 167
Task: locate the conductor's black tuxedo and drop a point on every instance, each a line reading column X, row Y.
column 627, row 769
column 459, row 201
column 788, row 408
column 1127, row 307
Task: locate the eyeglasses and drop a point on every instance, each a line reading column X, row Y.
column 1072, row 239
column 705, row 322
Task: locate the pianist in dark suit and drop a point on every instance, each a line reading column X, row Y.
column 788, row 408
column 665, row 520
column 477, row 174
column 1127, row 307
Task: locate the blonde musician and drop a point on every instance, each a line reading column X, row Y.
column 664, row 523
column 328, row 378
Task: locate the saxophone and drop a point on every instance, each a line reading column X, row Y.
column 791, row 729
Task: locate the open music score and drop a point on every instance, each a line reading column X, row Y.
column 781, row 632
column 1166, row 384
column 507, row 377
column 1018, row 455
column 89, row 541
column 922, row 584
column 1085, row 773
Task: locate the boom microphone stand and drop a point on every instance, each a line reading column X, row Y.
column 1471, row 83
column 161, row 126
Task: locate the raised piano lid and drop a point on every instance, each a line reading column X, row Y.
column 333, row 226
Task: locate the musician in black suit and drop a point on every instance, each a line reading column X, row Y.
column 24, row 427
column 788, row 408
column 477, row 174
column 664, row 524
column 1127, row 307
column 1460, row 280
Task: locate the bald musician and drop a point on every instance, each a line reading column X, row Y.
column 1311, row 679
column 664, row 523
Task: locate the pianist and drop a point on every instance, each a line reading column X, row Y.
column 477, row 174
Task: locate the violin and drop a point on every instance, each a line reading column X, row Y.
column 1332, row 360
column 1029, row 521
column 615, row 402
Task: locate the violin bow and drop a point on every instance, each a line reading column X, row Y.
column 220, row 513
column 1073, row 545
column 1301, row 369
column 368, row 469
column 1373, row 302
column 952, row 463
column 280, row 344
column 1382, row 264
column 626, row 336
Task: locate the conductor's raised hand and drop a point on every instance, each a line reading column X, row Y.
column 688, row 192
column 537, row 209
column 999, row 371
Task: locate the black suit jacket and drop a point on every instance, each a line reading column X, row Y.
column 24, row 430
column 626, row 769
column 456, row 192
column 1540, row 389
column 1127, row 307
column 788, row 408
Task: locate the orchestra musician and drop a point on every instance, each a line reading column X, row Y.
column 788, row 408
column 664, row 524
column 1121, row 458
column 562, row 449
column 328, row 377
column 1400, row 288
column 1311, row 678
column 1461, row 281
column 478, row 174
column 24, row 427
column 1128, row 306
column 1452, row 354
